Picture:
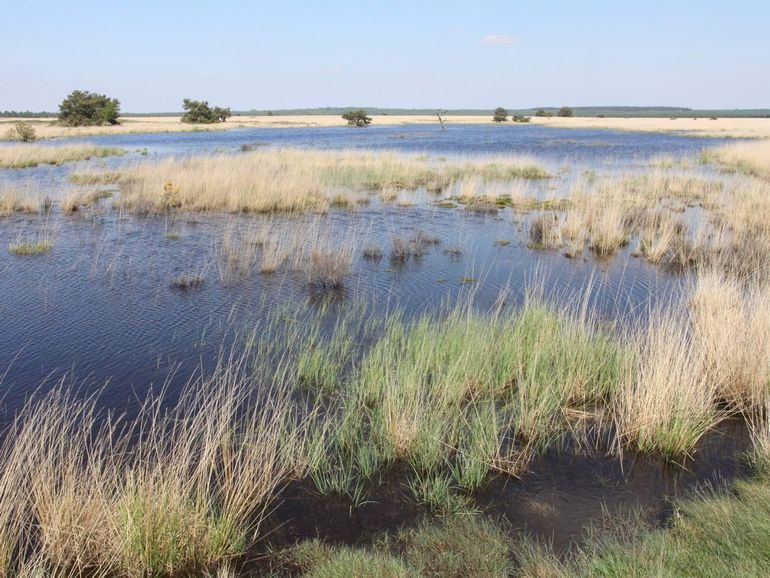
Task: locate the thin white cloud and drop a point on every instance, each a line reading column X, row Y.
column 498, row 39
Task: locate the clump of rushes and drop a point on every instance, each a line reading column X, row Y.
column 28, row 248
column 668, row 401
column 179, row 490
column 401, row 250
column 608, row 230
column 373, row 253
column 17, row 200
column 466, row 395
column 328, row 268
column 731, row 327
column 661, row 236
column 545, row 231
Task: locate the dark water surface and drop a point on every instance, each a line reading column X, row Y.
column 99, row 306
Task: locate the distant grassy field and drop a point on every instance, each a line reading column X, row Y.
column 723, row 127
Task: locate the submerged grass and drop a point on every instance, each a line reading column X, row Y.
column 30, row 248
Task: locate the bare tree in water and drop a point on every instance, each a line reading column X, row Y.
column 440, row 116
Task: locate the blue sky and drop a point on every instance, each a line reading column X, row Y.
column 286, row 54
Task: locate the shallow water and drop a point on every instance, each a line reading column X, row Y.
column 578, row 149
column 99, row 307
column 99, row 310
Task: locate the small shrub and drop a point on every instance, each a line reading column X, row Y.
column 22, row 131
column 565, row 111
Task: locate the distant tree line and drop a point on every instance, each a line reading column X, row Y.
column 25, row 114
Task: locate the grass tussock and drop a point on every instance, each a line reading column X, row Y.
column 462, row 397
column 17, row 200
column 731, row 325
column 176, row 491
column 293, row 180
column 750, row 158
column 30, row 248
column 669, row 400
column 26, row 156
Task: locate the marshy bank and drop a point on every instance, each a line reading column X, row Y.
column 445, row 422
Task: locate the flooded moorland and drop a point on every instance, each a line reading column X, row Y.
column 243, row 341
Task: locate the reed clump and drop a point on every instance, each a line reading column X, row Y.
column 750, row 158
column 464, row 396
column 18, row 200
column 176, row 490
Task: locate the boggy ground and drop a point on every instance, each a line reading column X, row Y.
column 455, row 442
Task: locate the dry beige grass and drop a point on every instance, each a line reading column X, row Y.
column 19, row 200
column 295, row 180
column 723, row 127
column 47, row 128
column 31, row 155
column 731, row 325
column 667, row 402
column 173, row 492
column 751, row 158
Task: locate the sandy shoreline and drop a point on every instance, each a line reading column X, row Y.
column 723, row 127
